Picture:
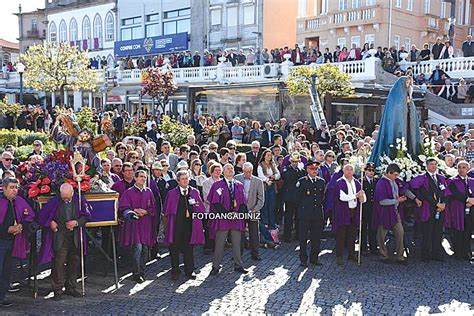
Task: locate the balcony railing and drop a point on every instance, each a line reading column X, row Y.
column 356, row 15
column 360, row 70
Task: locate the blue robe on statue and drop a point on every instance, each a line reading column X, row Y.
column 398, row 120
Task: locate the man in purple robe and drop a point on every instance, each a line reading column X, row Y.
column 347, row 198
column 227, row 197
column 127, row 182
column 138, row 208
column 432, row 189
column 390, row 193
column 330, row 190
column 460, row 211
column 183, row 228
column 60, row 219
column 16, row 217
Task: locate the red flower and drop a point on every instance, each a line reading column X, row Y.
column 35, row 184
column 45, row 189
column 72, row 182
column 33, row 192
column 46, row 181
column 85, row 186
column 23, row 166
column 86, row 177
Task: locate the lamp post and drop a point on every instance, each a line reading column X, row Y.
column 20, row 68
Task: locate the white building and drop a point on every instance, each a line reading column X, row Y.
column 91, row 26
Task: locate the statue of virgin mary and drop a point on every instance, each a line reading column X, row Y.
column 399, row 119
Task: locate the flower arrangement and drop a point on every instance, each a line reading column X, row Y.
column 45, row 177
column 177, row 132
column 133, row 128
column 85, row 119
column 11, row 109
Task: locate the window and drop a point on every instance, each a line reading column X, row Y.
column 62, row 32
column 86, row 29
column 407, row 43
column 410, row 5
column 370, row 39
column 152, row 30
column 216, row 17
column 398, row 3
column 152, row 17
column 426, row 6
column 53, row 32
column 302, row 8
column 443, row 10
column 73, row 30
column 126, row 34
column 355, row 40
column 177, row 13
column 343, row 5
column 98, row 27
column 132, row 21
column 396, row 41
column 34, row 24
column 341, row 42
column 178, row 26
column 460, row 18
column 109, row 27
column 324, row 6
column 356, row 4
column 232, row 16
column 130, row 33
column 370, row 2
column 249, row 14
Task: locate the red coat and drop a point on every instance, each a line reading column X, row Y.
column 293, row 57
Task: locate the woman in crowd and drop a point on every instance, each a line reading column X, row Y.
column 255, row 132
column 268, row 172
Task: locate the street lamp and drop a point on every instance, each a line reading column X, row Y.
column 21, row 69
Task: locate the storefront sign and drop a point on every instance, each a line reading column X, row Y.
column 152, row 45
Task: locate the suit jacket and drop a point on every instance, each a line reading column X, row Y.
column 265, row 140
column 256, row 195
column 254, row 161
column 173, row 161
column 468, row 50
column 206, row 188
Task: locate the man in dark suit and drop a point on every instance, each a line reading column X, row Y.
column 232, row 58
column 468, row 47
column 254, row 155
column 369, row 234
column 267, row 135
column 436, row 50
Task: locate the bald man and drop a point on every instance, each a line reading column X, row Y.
column 61, row 218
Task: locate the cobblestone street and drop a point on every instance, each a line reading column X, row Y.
column 275, row 285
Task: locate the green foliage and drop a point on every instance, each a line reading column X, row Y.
column 84, row 119
column 11, row 109
column 177, row 132
column 23, row 137
column 8, row 138
column 330, row 80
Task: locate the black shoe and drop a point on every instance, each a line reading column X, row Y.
column 352, row 258
column 174, row 276
column 72, row 292
column 425, row 259
column 58, row 296
column 191, row 276
column 241, row 270
column 138, row 279
column 304, row 264
column 256, row 258
column 215, row 271
column 316, row 262
column 386, row 261
column 5, row 303
column 14, row 288
column 339, row 261
column 402, row 262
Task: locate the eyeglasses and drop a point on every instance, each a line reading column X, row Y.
column 231, row 148
column 331, row 156
column 117, row 166
column 36, row 145
column 165, row 166
column 122, row 148
column 7, row 159
column 197, row 164
column 369, row 170
column 133, row 157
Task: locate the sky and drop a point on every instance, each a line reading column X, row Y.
column 9, row 22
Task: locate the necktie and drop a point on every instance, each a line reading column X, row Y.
column 434, row 179
column 231, row 190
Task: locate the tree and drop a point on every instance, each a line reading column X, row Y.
column 159, row 84
column 330, row 80
column 11, row 109
column 51, row 67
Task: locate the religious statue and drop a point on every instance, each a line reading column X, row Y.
column 399, row 120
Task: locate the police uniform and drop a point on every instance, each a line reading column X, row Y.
column 310, row 196
column 369, row 234
column 290, row 176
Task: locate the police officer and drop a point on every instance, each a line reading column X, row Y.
column 310, row 195
column 369, row 234
column 290, row 175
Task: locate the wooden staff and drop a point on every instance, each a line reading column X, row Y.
column 360, row 217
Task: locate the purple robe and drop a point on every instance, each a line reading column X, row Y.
column 423, row 213
column 171, row 208
column 455, row 210
column 286, row 161
column 324, row 173
column 341, row 212
column 50, row 212
column 141, row 231
column 386, row 215
column 24, row 215
column 219, row 193
column 122, row 186
column 115, row 178
column 329, row 196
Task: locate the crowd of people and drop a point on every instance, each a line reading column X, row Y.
column 291, row 182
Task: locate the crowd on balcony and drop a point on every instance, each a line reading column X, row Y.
column 390, row 57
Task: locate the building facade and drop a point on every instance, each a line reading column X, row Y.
column 386, row 23
column 90, row 25
column 32, row 28
column 251, row 23
column 162, row 18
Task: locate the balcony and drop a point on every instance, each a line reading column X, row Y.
column 36, row 34
column 356, row 16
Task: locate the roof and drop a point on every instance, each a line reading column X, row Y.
column 7, row 44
